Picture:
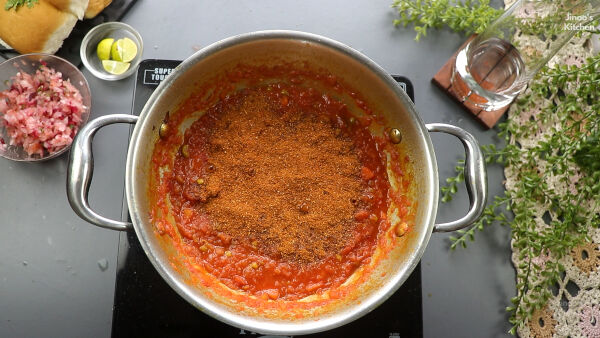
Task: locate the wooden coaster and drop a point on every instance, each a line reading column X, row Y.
column 442, row 79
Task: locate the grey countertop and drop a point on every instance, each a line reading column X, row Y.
column 54, row 280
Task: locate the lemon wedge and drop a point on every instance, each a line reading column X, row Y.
column 103, row 49
column 124, row 50
column 115, row 67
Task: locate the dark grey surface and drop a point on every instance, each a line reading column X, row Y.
column 51, row 281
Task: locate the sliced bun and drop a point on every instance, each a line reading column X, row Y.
column 39, row 29
column 4, row 44
column 95, row 7
column 77, row 7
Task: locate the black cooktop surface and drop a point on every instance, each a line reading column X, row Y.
column 145, row 305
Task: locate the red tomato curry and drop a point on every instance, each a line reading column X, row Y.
column 277, row 189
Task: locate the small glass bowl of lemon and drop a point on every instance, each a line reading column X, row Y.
column 112, row 50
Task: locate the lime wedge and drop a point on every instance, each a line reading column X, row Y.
column 124, row 50
column 115, row 67
column 103, row 49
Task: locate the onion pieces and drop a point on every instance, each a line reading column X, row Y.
column 41, row 112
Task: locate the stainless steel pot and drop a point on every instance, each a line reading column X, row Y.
column 383, row 95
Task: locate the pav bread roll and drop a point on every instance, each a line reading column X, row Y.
column 77, row 7
column 95, row 7
column 37, row 29
column 43, row 27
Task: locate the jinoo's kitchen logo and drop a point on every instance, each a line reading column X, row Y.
column 578, row 22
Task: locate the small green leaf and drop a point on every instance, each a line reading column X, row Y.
column 16, row 4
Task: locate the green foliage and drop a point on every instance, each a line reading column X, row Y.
column 490, row 215
column 18, row 3
column 587, row 155
column 571, row 97
column 469, row 17
column 452, row 187
column 572, row 100
column 473, row 16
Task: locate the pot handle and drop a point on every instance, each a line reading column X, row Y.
column 475, row 177
column 81, row 169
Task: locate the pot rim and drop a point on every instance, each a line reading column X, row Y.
column 259, row 325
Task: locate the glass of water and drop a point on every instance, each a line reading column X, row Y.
column 494, row 68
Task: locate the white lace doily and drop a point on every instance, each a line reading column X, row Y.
column 574, row 309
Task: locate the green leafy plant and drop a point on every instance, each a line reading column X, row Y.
column 16, row 4
column 587, row 155
column 571, row 152
column 452, row 187
column 470, row 16
column 474, row 16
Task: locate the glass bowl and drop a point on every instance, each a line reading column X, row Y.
column 115, row 30
column 29, row 63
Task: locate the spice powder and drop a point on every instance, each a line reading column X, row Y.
column 279, row 191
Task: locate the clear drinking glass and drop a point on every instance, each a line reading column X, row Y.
column 494, row 68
